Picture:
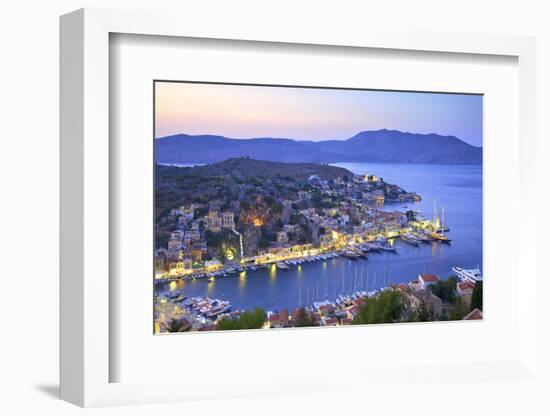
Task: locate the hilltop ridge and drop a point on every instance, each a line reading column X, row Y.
column 386, row 146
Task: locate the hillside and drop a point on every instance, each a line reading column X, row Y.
column 244, row 168
column 390, row 146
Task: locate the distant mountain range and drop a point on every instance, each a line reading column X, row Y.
column 385, row 146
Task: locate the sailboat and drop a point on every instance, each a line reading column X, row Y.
column 439, row 234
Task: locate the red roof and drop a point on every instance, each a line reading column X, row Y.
column 296, row 313
column 429, row 277
column 274, row 317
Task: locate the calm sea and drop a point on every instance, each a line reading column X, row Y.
column 457, row 189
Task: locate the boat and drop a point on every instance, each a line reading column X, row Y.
column 391, row 249
column 180, row 298
column 375, row 246
column 282, row 266
column 410, row 239
column 440, row 237
column 351, row 255
column 468, row 275
column 174, row 295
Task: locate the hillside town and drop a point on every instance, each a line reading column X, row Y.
column 277, row 219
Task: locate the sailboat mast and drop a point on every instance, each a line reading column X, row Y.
column 442, row 220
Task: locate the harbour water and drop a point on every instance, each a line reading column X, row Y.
column 456, row 188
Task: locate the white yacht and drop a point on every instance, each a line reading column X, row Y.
column 469, row 275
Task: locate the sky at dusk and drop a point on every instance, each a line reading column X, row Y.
column 242, row 111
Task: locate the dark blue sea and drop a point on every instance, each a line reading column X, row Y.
column 456, row 188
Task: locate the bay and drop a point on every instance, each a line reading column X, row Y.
column 455, row 188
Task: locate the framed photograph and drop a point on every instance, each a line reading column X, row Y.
column 282, row 207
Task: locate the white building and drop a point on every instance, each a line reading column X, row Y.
column 426, row 280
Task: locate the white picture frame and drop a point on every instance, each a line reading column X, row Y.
column 86, row 356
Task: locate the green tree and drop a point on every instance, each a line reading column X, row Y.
column 387, row 307
column 412, row 316
column 477, row 296
column 227, row 324
column 458, row 311
column 248, row 320
column 252, row 319
column 263, row 242
column 425, row 313
column 445, row 289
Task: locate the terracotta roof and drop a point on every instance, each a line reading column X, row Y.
column 475, row 314
column 429, row 277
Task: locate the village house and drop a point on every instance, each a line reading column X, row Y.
column 425, row 280
column 174, row 245
column 291, row 228
column 279, row 320
column 198, row 251
column 187, row 264
column 426, row 297
column 228, row 220
column 214, row 221
column 175, row 268
column 274, row 320
column 282, row 237
column 212, row 265
column 191, row 236
column 159, row 267
column 303, row 195
column 465, row 291
column 176, row 235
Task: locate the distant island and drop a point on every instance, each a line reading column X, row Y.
column 378, row 146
